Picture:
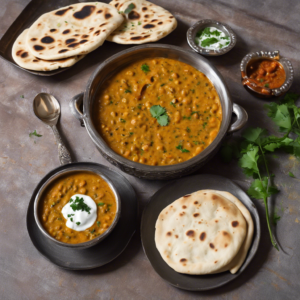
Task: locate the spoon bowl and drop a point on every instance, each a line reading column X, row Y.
column 46, row 108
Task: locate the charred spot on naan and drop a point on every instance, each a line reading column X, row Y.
column 38, row 47
column 136, row 38
column 196, row 215
column 190, row 233
column 211, row 245
column 186, row 196
column 63, row 50
column 52, row 30
column 235, row 223
column 47, row 40
column 169, row 233
column 24, row 54
column 66, row 31
column 63, row 11
column 133, row 15
column 69, row 41
column 183, row 260
column 202, row 236
column 85, row 12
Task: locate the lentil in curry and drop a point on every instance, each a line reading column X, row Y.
column 158, row 111
column 59, row 193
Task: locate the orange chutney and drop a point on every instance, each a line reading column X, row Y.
column 123, row 117
column 59, row 192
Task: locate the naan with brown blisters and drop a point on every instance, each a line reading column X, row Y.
column 26, row 60
column 239, row 259
column 145, row 22
column 200, row 233
column 72, row 30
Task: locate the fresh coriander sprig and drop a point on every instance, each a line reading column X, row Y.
column 256, row 144
column 34, row 133
column 160, row 114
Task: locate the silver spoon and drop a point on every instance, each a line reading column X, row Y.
column 47, row 109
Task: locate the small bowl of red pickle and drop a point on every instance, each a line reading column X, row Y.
column 265, row 74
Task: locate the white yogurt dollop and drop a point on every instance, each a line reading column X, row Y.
column 212, row 38
column 80, row 220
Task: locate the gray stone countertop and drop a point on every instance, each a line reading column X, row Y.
column 25, row 274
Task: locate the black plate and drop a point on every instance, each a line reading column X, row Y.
column 28, row 16
column 165, row 196
column 105, row 251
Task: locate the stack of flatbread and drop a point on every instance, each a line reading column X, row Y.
column 205, row 232
column 60, row 38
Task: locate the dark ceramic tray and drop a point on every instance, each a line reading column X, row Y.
column 165, row 196
column 30, row 14
column 105, row 251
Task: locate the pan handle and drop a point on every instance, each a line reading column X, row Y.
column 76, row 106
column 242, row 118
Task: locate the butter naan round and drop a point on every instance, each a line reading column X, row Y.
column 72, row 30
column 26, row 60
column 144, row 22
column 200, row 233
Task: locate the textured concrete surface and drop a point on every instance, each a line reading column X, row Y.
column 25, row 274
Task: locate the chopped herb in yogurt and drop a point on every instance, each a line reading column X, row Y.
column 212, row 38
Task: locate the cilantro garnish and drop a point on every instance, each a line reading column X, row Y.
column 188, row 129
column 131, row 133
column 179, row 147
column 160, row 114
column 145, row 68
column 79, row 204
column 253, row 150
column 208, row 42
column 186, row 118
column 162, row 84
column 129, row 8
column 127, row 91
column 292, row 175
column 139, row 23
column 92, row 231
column 22, row 96
column 266, row 85
column 78, row 223
column 173, row 104
column 34, row 133
column 100, row 203
column 122, row 120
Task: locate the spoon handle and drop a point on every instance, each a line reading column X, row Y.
column 63, row 152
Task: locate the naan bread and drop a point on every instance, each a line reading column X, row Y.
column 200, row 233
column 26, row 60
column 72, row 30
column 146, row 23
column 239, row 259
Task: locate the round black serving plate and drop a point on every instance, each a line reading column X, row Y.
column 105, row 251
column 168, row 194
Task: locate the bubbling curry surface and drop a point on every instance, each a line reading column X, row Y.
column 123, row 118
column 59, row 192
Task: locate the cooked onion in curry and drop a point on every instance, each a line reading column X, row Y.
column 158, row 111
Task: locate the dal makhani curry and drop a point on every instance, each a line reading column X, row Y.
column 77, row 207
column 158, row 111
